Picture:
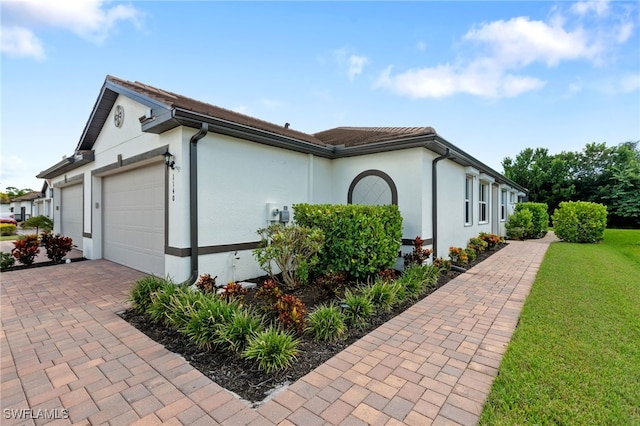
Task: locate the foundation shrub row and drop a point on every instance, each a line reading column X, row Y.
column 27, row 247
column 460, row 256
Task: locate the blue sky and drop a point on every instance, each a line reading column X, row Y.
column 492, row 78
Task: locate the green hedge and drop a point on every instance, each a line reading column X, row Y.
column 8, row 229
column 359, row 240
column 539, row 219
column 580, row 221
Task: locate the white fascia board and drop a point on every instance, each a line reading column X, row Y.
column 471, row 171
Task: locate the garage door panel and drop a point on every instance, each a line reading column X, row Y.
column 71, row 216
column 133, row 221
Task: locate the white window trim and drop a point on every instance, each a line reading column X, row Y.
column 504, row 202
column 482, row 202
column 468, row 202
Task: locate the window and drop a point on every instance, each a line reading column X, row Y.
column 503, row 205
column 372, row 187
column 512, row 197
column 482, row 203
column 468, row 199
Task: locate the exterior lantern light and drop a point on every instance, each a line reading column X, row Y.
column 168, row 160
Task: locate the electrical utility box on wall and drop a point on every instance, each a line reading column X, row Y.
column 277, row 214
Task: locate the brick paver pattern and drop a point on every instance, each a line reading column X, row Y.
column 63, row 347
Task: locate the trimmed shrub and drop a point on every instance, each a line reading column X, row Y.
column 539, row 219
column 292, row 248
column 6, row 260
column 442, row 264
column 471, row 254
column 8, row 229
column 274, row 349
column 359, row 240
column 326, row 323
column 580, row 221
column 269, row 293
column 358, row 308
column 56, row 246
column 26, row 249
column 519, row 225
column 140, row 295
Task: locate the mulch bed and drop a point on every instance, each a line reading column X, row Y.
column 241, row 376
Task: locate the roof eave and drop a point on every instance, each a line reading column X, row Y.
column 193, row 119
column 67, row 164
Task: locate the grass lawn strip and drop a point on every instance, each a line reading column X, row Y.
column 575, row 356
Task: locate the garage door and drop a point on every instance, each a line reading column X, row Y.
column 133, row 221
column 71, row 214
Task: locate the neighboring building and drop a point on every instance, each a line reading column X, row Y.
column 24, row 206
column 173, row 186
column 42, row 205
column 5, row 206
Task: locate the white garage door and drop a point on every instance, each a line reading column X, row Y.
column 133, row 221
column 71, row 214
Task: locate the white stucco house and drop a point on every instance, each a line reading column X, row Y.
column 25, row 206
column 172, row 186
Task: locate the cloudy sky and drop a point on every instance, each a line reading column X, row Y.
column 491, row 77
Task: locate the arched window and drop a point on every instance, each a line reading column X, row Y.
column 372, row 187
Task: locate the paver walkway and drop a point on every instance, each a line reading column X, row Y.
column 65, row 353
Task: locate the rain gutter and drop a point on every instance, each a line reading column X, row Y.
column 193, row 198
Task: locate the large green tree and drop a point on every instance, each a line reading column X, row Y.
column 599, row 173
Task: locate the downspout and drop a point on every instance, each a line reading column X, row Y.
column 193, row 199
column 434, row 200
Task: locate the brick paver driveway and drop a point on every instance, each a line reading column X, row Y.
column 66, row 354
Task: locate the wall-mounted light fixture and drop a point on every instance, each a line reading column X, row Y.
column 168, row 160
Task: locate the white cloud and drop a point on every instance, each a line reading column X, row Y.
column 20, row 42
column 504, row 48
column 356, row 64
column 599, row 7
column 445, row 80
column 520, row 42
column 241, row 109
column 92, row 20
column 629, row 83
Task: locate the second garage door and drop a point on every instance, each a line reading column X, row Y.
column 133, row 219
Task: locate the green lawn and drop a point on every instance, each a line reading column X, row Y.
column 575, row 356
column 8, row 237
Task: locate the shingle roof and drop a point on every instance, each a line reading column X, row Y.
column 353, row 136
column 173, row 100
column 28, row 196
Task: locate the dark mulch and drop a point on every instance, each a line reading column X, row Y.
column 40, row 264
column 243, row 377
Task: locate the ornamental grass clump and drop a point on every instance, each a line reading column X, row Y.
column 140, row 295
column 236, row 333
column 382, row 295
column 204, row 325
column 273, row 349
column 160, row 302
column 358, row 309
column 417, row 279
column 182, row 306
column 326, row 323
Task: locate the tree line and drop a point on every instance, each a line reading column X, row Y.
column 608, row 175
